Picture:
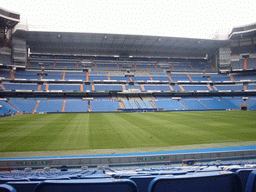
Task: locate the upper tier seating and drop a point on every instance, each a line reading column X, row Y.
column 26, row 75
column 5, row 59
column 251, row 63
column 53, row 75
column 75, row 76
column 157, row 87
column 196, row 88
column 237, row 64
column 111, row 87
column 219, row 77
column 64, row 87
column 20, row 86
column 237, row 87
column 244, row 77
column 179, row 77
column 5, row 74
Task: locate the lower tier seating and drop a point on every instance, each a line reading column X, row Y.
column 97, row 104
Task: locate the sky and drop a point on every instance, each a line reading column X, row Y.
column 203, row 19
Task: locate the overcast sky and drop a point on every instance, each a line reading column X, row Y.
column 181, row 18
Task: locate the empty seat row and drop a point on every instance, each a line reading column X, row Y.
column 103, row 76
column 241, row 180
column 41, row 105
column 119, row 87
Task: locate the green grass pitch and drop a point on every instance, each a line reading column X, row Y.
column 56, row 132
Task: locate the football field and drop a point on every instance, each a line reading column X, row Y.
column 87, row 131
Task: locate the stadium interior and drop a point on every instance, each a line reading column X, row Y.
column 60, row 72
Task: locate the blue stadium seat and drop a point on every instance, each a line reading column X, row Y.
column 97, row 185
column 214, row 104
column 76, row 106
column 169, row 104
column 244, row 174
column 99, row 105
column 193, row 104
column 251, row 183
column 198, row 182
column 24, row 186
column 6, row 188
column 233, row 103
column 142, row 104
column 142, row 182
column 6, row 108
column 49, row 106
column 24, row 105
column 148, row 104
column 20, row 86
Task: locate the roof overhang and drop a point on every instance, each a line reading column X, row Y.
column 116, row 44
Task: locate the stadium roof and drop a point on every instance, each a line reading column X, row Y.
column 243, row 31
column 116, row 44
column 8, row 18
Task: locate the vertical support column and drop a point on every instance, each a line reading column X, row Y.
column 169, row 77
column 12, row 75
column 1, row 85
column 171, row 87
column 63, row 76
column 189, row 77
column 64, row 104
column 87, row 76
column 209, row 87
column 182, row 89
column 232, row 79
column 245, row 63
column 35, row 107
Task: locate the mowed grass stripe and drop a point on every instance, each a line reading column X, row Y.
column 74, row 134
column 131, row 133
column 30, row 132
column 170, row 129
column 59, row 132
column 218, row 126
column 234, row 126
